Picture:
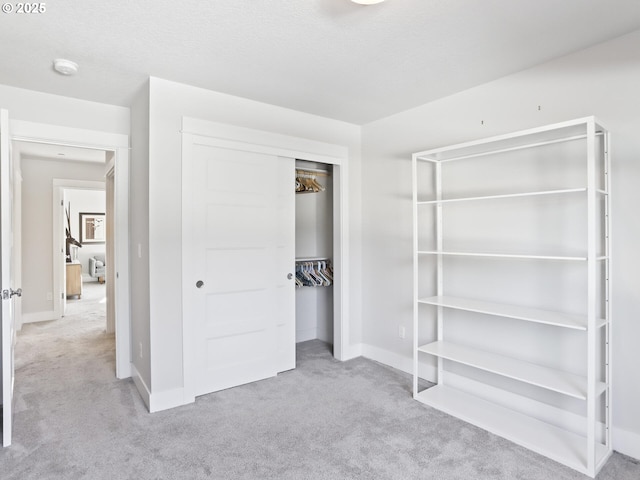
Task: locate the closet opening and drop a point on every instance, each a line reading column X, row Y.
column 314, row 274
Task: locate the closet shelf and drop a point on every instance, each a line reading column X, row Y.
column 540, row 137
column 543, row 438
column 535, row 315
column 507, row 255
column 548, row 378
column 506, row 195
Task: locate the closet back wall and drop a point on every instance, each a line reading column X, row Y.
column 314, row 238
column 601, row 81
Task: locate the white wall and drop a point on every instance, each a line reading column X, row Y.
column 86, row 201
column 139, row 242
column 63, row 111
column 37, row 227
column 601, row 81
column 169, row 102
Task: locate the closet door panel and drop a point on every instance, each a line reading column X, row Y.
column 253, row 231
column 234, row 281
column 244, row 269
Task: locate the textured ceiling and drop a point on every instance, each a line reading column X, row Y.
column 328, row 57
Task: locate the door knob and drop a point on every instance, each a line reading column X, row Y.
column 7, row 294
column 290, row 276
column 199, row 284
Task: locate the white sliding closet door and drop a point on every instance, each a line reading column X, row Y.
column 239, row 236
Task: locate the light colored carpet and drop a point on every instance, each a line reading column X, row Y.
column 324, row 420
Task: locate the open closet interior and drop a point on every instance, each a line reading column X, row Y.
column 314, row 251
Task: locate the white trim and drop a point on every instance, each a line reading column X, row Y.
column 352, row 351
column 398, row 361
column 391, row 359
column 626, row 442
column 234, row 137
column 142, row 388
column 122, row 291
column 306, row 335
column 24, row 131
column 119, row 144
column 17, row 236
column 45, row 316
column 341, row 304
column 267, row 142
column 168, row 399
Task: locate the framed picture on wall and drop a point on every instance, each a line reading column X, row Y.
column 92, row 228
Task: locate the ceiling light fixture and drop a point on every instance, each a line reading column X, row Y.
column 367, row 2
column 65, row 67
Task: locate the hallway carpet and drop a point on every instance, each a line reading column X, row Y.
column 325, row 420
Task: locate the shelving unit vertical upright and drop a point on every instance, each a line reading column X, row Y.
column 535, row 366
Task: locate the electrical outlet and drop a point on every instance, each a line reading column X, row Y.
column 140, row 346
column 402, row 332
column 49, row 296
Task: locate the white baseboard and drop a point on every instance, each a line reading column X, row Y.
column 306, row 335
column 34, row 317
column 156, row 402
column 352, row 351
column 397, row 361
column 125, row 371
column 143, row 390
column 627, row 443
column 392, row 359
column 168, row 399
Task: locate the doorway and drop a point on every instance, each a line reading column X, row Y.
column 83, row 269
column 113, row 150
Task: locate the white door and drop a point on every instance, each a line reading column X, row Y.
column 6, row 240
column 238, row 257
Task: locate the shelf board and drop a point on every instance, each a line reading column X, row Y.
column 560, row 445
column 544, row 377
column 504, row 255
column 423, row 155
column 506, row 195
column 535, row 315
column 535, row 137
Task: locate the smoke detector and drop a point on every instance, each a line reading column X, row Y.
column 65, row 67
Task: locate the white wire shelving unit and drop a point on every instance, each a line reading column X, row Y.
column 587, row 449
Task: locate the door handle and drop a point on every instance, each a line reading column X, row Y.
column 7, row 294
column 199, row 284
column 289, row 276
